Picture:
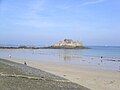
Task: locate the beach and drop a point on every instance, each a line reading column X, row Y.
column 16, row 76
column 90, row 78
column 59, row 45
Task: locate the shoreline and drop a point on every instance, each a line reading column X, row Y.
column 16, row 76
column 93, row 79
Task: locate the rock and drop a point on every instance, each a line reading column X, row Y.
column 68, row 44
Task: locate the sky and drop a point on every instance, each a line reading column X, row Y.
column 45, row 22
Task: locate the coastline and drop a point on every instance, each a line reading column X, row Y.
column 93, row 79
column 16, row 76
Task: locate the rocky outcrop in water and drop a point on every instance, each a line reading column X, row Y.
column 68, row 44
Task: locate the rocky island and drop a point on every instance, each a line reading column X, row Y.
column 65, row 44
column 68, row 44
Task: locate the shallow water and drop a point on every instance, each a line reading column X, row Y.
column 91, row 58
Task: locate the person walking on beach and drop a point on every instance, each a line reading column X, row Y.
column 101, row 57
column 9, row 56
column 25, row 63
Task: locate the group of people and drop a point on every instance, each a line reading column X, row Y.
column 24, row 62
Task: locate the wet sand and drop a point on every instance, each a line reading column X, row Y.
column 93, row 79
column 15, row 76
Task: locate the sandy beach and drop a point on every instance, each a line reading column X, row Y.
column 59, row 45
column 16, row 76
column 92, row 79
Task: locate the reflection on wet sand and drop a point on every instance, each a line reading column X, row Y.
column 114, row 60
column 70, row 57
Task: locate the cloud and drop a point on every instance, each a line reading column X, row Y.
column 31, row 17
column 78, row 4
column 41, row 13
column 36, row 24
column 91, row 2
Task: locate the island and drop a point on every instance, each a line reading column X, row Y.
column 65, row 44
column 68, row 44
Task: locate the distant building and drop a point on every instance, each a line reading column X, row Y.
column 68, row 43
column 68, row 40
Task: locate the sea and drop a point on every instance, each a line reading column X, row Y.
column 96, row 57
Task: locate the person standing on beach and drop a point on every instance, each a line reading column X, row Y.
column 101, row 57
column 25, row 63
column 9, row 56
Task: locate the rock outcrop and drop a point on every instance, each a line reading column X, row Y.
column 68, row 44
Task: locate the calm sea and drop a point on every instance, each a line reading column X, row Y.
column 91, row 58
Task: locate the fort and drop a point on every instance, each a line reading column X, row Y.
column 68, row 44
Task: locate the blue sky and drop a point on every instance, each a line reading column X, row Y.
column 44, row 22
